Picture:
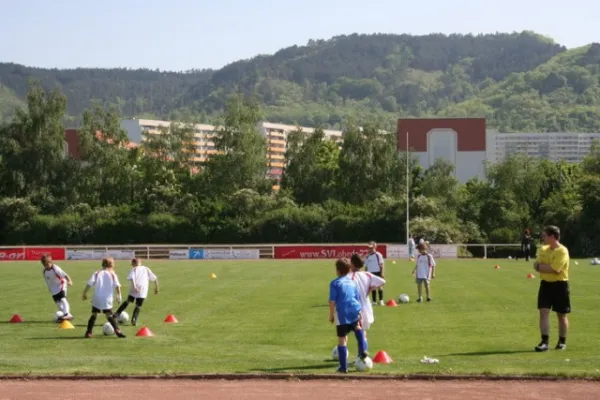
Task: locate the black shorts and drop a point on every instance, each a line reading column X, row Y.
column 344, row 330
column 555, row 296
column 59, row 296
column 138, row 301
column 97, row 310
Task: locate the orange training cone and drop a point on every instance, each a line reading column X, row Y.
column 144, row 332
column 16, row 319
column 531, row 276
column 171, row 319
column 391, row 303
column 382, row 358
column 497, row 267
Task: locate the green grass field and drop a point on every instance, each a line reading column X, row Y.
column 272, row 316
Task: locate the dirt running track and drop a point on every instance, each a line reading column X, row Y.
column 318, row 389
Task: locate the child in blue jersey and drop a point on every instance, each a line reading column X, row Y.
column 345, row 311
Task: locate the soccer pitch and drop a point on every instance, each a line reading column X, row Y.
column 271, row 316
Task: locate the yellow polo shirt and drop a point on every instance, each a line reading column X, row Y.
column 558, row 259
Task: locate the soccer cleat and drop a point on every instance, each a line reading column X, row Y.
column 364, row 355
column 374, row 303
column 341, row 371
column 88, row 335
column 133, row 322
column 420, row 300
column 429, row 299
column 67, row 317
column 541, row 347
column 561, row 346
column 381, row 303
column 120, row 334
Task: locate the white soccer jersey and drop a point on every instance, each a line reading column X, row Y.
column 365, row 281
column 142, row 276
column 425, row 264
column 104, row 283
column 372, row 262
column 56, row 279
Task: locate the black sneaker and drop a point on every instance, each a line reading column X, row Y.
column 341, row 371
column 429, row 299
column 419, row 300
column 88, row 335
column 541, row 347
column 120, row 334
column 561, row 346
column 133, row 322
column 364, row 355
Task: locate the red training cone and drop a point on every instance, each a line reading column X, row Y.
column 16, row 319
column 531, row 276
column 171, row 319
column 382, row 358
column 144, row 332
column 497, row 267
column 391, row 303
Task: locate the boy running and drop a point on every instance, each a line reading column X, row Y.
column 140, row 277
column 374, row 263
column 344, row 310
column 425, row 271
column 366, row 282
column 104, row 282
column 57, row 281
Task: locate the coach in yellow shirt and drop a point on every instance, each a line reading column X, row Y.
column 553, row 265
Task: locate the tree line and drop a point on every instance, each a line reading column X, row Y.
column 356, row 191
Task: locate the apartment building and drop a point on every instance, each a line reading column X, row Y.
column 275, row 135
column 569, row 147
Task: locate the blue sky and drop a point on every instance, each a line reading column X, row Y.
column 185, row 34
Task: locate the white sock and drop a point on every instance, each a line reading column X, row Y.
column 66, row 308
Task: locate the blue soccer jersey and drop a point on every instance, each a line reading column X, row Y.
column 344, row 292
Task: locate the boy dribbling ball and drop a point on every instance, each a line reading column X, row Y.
column 104, row 282
column 140, row 277
column 345, row 312
column 366, row 283
column 425, row 272
column 57, row 281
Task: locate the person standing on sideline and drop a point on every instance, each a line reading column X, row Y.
column 554, row 293
column 374, row 263
column 424, row 272
column 411, row 247
column 526, row 241
column 57, row 281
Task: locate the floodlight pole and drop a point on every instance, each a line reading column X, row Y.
column 407, row 190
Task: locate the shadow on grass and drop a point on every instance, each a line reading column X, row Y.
column 291, row 369
column 490, row 353
column 27, row 322
column 319, row 306
column 58, row 338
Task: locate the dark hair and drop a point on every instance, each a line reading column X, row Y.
column 46, row 258
column 342, row 266
column 356, row 261
column 135, row 261
column 553, row 231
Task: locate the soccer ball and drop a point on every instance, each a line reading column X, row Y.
column 107, row 329
column 403, row 298
column 335, row 355
column 364, row 365
column 123, row 318
column 58, row 316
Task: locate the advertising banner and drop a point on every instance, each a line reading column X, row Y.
column 229, row 254
column 81, row 254
column 36, row 253
column 179, row 254
column 398, row 251
column 17, row 254
column 444, row 250
column 118, row 254
column 323, row 252
column 196, row 254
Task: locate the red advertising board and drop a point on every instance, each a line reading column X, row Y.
column 13, row 254
column 36, row 253
column 323, row 252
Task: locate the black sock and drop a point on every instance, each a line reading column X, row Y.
column 122, row 308
column 545, row 339
column 374, row 296
column 136, row 313
column 380, row 295
column 112, row 322
column 91, row 323
column 562, row 340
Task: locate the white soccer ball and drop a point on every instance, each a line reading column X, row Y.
column 58, row 316
column 335, row 355
column 123, row 318
column 364, row 365
column 107, row 329
column 403, row 298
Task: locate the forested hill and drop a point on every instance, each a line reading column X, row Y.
column 518, row 81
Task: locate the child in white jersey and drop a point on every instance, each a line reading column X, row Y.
column 57, row 281
column 104, row 282
column 425, row 271
column 366, row 282
column 140, row 277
